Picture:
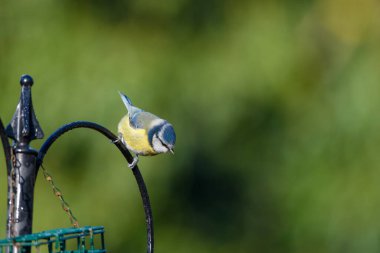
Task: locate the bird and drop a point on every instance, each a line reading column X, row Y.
column 144, row 133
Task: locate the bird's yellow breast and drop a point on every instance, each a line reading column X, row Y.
column 135, row 139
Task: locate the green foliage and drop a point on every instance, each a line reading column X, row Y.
column 274, row 104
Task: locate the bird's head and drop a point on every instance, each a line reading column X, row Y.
column 164, row 138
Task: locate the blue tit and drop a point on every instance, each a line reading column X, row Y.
column 144, row 133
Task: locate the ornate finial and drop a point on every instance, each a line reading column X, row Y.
column 26, row 80
column 24, row 126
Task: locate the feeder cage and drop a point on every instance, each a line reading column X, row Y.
column 81, row 240
column 23, row 164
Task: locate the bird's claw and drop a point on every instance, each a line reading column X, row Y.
column 119, row 139
column 134, row 162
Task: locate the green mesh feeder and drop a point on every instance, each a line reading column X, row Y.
column 23, row 164
column 80, row 240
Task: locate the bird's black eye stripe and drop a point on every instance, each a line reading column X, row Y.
column 163, row 144
column 154, row 131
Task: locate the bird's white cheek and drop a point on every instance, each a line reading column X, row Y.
column 157, row 146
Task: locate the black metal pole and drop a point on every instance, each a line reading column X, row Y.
column 24, row 191
column 23, row 128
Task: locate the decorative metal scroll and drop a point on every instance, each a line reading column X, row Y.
column 136, row 172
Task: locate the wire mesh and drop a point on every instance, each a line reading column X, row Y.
column 67, row 240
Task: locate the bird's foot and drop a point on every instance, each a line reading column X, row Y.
column 119, row 139
column 134, row 162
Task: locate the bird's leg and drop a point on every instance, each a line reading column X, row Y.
column 135, row 158
column 134, row 162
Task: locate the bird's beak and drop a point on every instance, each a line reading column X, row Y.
column 171, row 151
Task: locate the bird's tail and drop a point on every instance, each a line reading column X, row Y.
column 127, row 102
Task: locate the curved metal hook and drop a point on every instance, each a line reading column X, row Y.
column 8, row 159
column 136, row 172
column 6, row 147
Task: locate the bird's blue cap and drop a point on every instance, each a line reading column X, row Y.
column 169, row 135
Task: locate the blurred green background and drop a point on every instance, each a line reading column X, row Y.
column 275, row 105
